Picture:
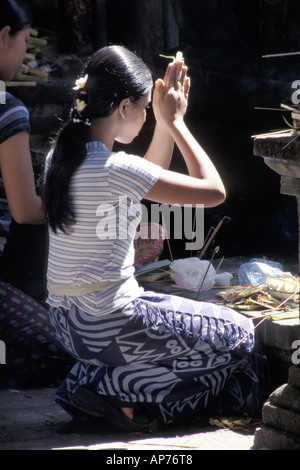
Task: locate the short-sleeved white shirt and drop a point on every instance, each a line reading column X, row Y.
column 106, row 191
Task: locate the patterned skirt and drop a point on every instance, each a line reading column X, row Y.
column 175, row 356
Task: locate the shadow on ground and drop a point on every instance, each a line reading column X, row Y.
column 31, row 420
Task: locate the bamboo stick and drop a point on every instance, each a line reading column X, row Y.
column 209, row 265
column 212, row 237
column 280, row 54
column 268, row 109
column 167, row 237
column 282, row 131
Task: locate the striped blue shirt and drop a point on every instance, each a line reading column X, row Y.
column 106, row 191
column 14, row 117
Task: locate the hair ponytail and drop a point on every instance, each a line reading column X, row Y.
column 68, row 154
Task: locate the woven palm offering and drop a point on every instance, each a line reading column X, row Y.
column 148, row 243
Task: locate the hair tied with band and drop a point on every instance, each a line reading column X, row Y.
column 80, row 104
column 77, row 118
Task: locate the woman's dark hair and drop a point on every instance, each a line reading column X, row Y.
column 16, row 14
column 114, row 73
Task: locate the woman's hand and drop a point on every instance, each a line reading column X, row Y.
column 170, row 96
column 204, row 184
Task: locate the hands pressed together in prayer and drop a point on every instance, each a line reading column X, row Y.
column 170, row 97
column 203, row 184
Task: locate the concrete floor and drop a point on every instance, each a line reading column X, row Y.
column 31, row 420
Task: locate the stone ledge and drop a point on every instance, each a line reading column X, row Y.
column 280, row 333
column 275, row 146
column 267, row 437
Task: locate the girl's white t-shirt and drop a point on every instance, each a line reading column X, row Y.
column 106, row 191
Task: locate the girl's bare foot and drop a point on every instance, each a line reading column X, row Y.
column 128, row 412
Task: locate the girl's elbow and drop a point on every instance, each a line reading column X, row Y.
column 29, row 212
column 22, row 218
column 18, row 214
column 30, row 217
column 217, row 197
column 222, row 195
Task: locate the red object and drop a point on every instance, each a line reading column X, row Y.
column 149, row 243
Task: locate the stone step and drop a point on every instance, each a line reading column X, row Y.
column 286, row 420
column 268, row 437
column 286, row 396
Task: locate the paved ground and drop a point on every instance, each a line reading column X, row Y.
column 31, row 420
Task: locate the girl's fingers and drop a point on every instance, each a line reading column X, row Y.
column 158, row 95
column 183, row 74
column 172, row 74
column 158, row 91
column 186, row 85
column 181, row 71
column 167, row 78
column 175, row 77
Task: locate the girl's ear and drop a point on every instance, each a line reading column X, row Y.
column 123, row 107
column 4, row 33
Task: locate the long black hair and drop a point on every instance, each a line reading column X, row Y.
column 15, row 13
column 112, row 74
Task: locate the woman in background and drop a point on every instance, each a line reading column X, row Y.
column 32, row 354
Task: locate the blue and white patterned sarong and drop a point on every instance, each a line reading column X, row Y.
column 174, row 355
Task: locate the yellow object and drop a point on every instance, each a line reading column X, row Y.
column 286, row 285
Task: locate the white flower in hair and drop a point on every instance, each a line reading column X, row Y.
column 81, row 82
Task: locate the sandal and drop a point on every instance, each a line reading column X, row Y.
column 100, row 406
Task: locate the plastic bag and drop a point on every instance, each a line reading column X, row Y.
column 189, row 273
column 223, row 279
column 256, row 270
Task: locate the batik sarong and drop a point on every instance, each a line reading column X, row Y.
column 171, row 354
